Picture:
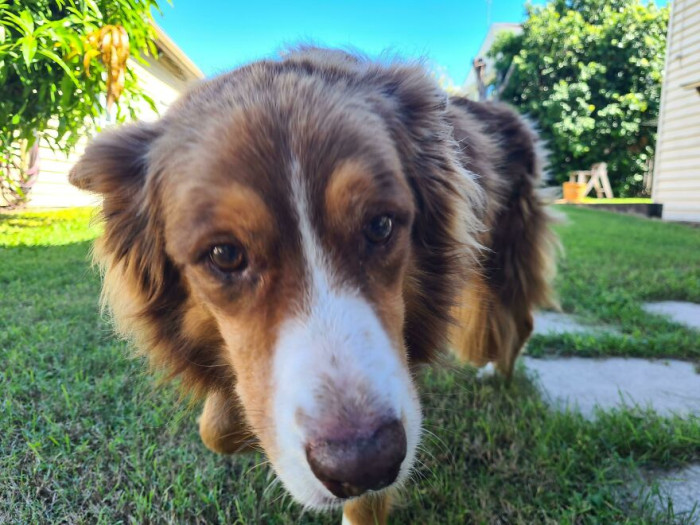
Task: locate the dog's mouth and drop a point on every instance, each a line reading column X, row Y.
column 322, row 500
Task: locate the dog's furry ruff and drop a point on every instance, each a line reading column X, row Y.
column 494, row 312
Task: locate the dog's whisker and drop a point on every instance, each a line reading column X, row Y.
column 271, row 486
column 257, row 466
column 422, row 451
column 417, row 473
column 436, row 439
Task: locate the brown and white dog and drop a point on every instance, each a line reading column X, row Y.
column 292, row 237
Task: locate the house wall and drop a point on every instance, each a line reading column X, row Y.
column 162, row 80
column 677, row 164
column 52, row 189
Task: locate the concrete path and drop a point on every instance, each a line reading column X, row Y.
column 556, row 323
column 680, row 312
column 683, row 488
column 667, row 386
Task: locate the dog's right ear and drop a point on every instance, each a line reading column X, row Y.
column 143, row 289
column 115, row 165
column 116, row 161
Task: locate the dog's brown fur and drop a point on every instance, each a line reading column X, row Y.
column 474, row 265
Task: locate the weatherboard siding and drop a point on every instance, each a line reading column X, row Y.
column 677, row 164
column 161, row 80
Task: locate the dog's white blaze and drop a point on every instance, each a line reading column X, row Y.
column 337, row 340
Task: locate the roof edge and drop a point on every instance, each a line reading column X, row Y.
column 177, row 55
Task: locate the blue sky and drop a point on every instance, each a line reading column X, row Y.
column 220, row 34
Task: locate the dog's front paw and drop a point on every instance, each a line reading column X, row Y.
column 486, row 372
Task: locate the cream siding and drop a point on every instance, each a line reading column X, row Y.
column 163, row 80
column 52, row 189
column 677, row 165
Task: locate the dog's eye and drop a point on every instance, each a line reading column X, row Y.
column 227, row 258
column 379, row 229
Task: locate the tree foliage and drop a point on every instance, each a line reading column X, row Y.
column 51, row 77
column 589, row 73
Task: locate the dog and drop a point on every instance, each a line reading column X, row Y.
column 294, row 237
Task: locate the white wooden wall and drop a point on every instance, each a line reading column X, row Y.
column 52, row 189
column 677, row 164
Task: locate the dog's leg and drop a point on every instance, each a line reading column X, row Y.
column 471, row 337
column 521, row 325
column 222, row 425
column 483, row 332
column 487, row 332
column 372, row 509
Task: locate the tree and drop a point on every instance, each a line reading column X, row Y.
column 62, row 66
column 589, row 73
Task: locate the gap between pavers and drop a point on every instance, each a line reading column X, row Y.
column 667, row 386
column 681, row 312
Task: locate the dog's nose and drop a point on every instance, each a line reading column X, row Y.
column 349, row 468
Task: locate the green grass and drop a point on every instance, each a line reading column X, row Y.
column 87, row 437
column 595, row 200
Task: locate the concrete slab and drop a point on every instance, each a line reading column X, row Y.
column 681, row 487
column 555, row 323
column 667, row 386
column 680, row 312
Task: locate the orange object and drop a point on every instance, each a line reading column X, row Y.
column 574, row 191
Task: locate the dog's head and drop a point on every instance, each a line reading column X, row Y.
column 295, row 230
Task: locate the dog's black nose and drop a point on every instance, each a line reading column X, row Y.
column 349, row 468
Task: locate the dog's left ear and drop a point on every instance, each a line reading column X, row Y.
column 448, row 198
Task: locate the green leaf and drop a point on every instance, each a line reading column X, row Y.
column 28, row 20
column 53, row 56
column 66, row 90
column 18, row 114
column 151, row 103
column 41, row 50
column 29, row 44
column 18, row 23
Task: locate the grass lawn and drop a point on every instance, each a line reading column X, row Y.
column 612, row 264
column 86, row 436
column 595, row 200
